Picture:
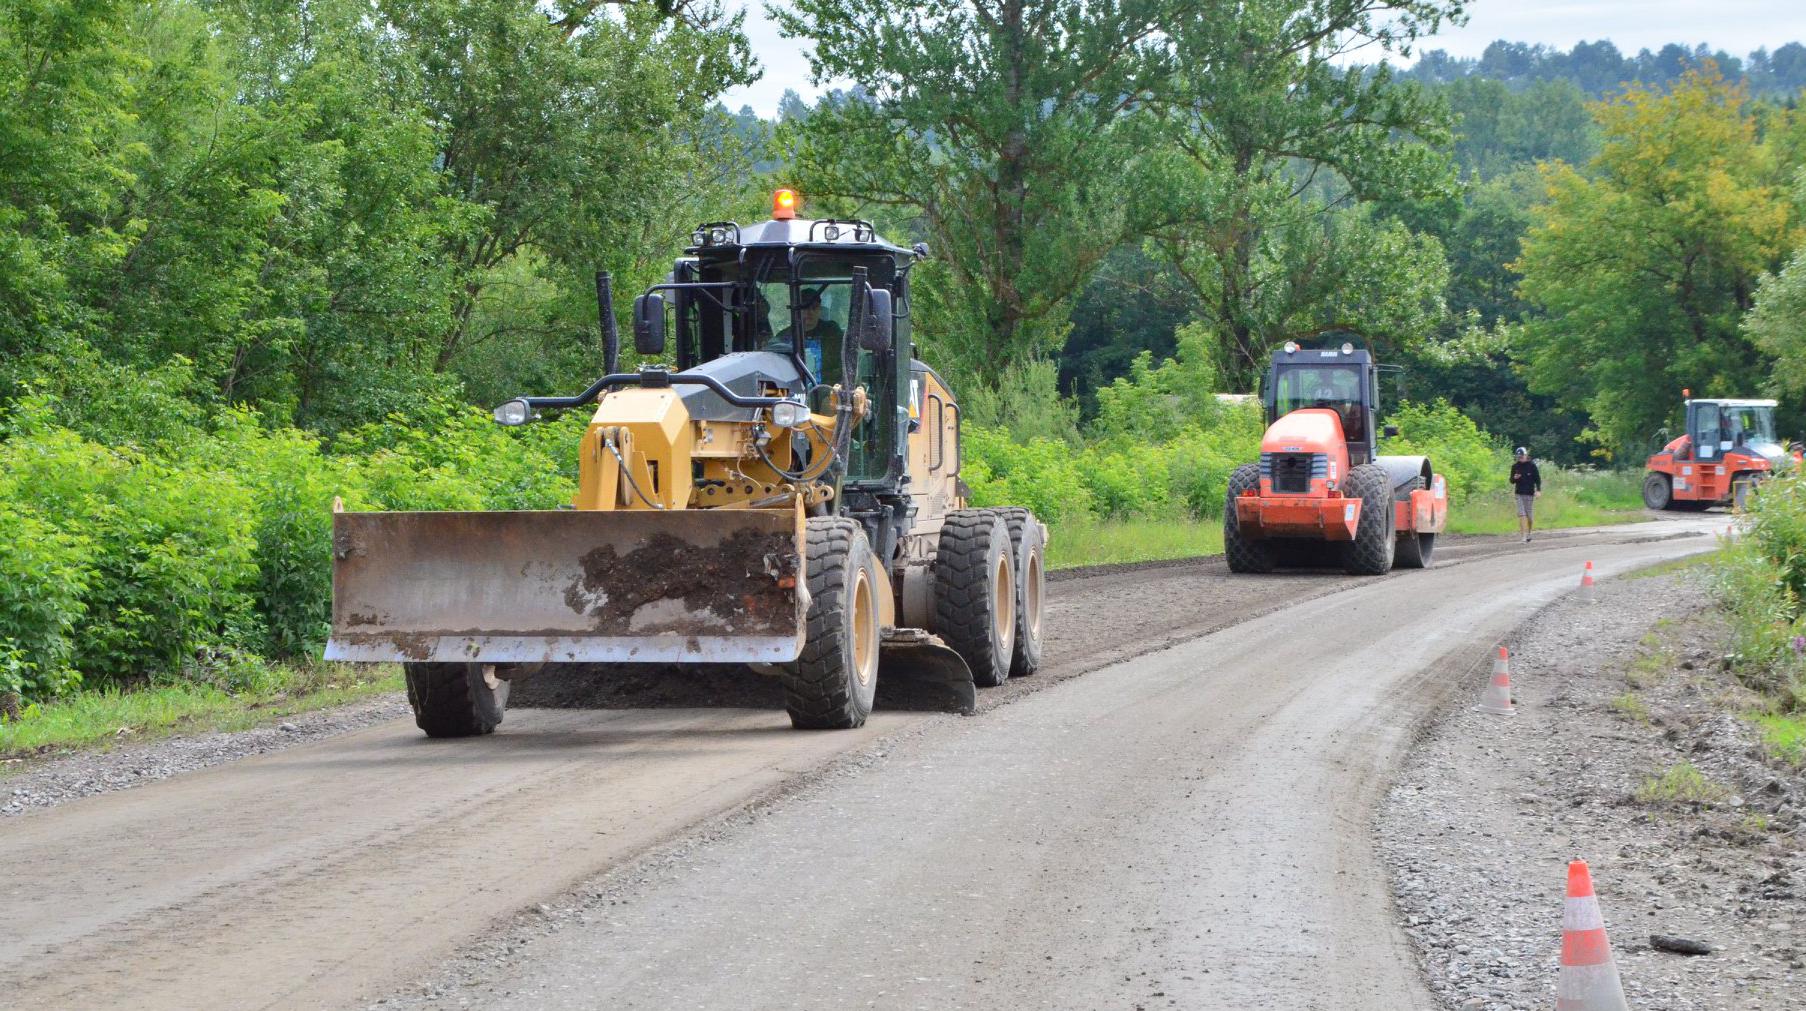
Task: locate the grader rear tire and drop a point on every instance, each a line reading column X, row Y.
column 1243, row 555
column 832, row 684
column 1375, row 540
column 974, row 593
column 455, row 699
column 1028, row 546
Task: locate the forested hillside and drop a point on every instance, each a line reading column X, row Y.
column 255, row 254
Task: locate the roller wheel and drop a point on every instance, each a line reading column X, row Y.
column 1414, row 550
column 1028, row 545
column 1243, row 555
column 830, row 687
column 1658, row 492
column 975, row 593
column 455, row 699
column 1375, row 540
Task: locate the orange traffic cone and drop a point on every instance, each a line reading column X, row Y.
column 1587, row 593
column 1589, row 977
column 1497, row 697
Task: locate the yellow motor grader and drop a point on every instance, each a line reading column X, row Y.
column 787, row 497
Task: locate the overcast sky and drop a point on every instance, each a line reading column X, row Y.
column 1736, row 26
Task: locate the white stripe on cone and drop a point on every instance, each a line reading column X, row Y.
column 1582, row 914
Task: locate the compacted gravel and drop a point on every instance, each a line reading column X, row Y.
column 87, row 773
column 1612, row 696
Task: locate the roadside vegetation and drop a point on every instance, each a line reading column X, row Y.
column 1761, row 583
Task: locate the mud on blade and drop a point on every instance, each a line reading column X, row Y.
column 566, row 586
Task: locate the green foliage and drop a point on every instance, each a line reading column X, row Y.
column 1012, row 134
column 1760, row 579
column 1153, row 402
column 1161, row 446
column 1776, row 324
column 1270, row 134
column 1471, row 460
column 1042, row 474
column 43, row 577
column 200, row 557
column 1681, row 784
column 1644, row 266
column 1024, row 401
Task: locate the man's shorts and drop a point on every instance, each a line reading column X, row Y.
column 1526, row 505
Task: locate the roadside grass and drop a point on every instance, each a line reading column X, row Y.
column 1681, row 784
column 1631, row 707
column 91, row 718
column 1106, row 542
column 1654, row 661
column 1671, row 566
column 1784, row 736
column 1571, row 498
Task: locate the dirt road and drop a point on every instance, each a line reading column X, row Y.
column 1199, row 812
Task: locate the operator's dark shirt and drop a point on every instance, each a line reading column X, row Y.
column 1525, row 478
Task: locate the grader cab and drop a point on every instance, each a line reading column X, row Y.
column 1321, row 494
column 787, row 497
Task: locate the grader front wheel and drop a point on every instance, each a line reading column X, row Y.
column 831, row 686
column 455, row 699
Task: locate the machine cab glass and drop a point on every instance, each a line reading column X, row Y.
column 1335, row 387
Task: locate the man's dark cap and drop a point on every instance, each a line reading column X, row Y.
column 810, row 298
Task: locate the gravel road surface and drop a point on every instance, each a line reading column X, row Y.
column 1200, row 812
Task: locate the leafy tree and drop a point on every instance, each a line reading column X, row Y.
column 1273, row 136
column 1642, row 268
column 1007, row 128
column 1777, row 325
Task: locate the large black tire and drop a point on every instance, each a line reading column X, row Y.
column 1243, row 554
column 1028, row 546
column 455, row 699
column 831, row 685
column 1658, row 493
column 1375, row 540
column 974, row 593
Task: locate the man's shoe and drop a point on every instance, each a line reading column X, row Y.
column 1526, row 538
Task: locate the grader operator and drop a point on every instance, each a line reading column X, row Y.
column 786, row 497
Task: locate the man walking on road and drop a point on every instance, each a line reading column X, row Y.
column 1527, row 484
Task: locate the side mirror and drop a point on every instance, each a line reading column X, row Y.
column 1390, row 431
column 875, row 329
column 649, row 324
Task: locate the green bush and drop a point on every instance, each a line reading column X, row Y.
column 43, row 576
column 1042, row 474
column 1470, row 460
column 1760, row 581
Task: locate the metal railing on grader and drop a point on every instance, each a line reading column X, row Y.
column 786, row 497
column 1321, row 496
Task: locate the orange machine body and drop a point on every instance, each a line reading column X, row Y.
column 1304, row 462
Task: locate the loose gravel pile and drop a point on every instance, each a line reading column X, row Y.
column 1611, row 698
column 87, row 773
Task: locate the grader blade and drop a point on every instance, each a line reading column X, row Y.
column 918, row 671
column 710, row 586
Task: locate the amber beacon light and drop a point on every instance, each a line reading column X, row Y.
column 783, row 204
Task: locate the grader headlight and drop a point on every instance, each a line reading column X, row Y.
column 514, row 412
column 790, row 414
